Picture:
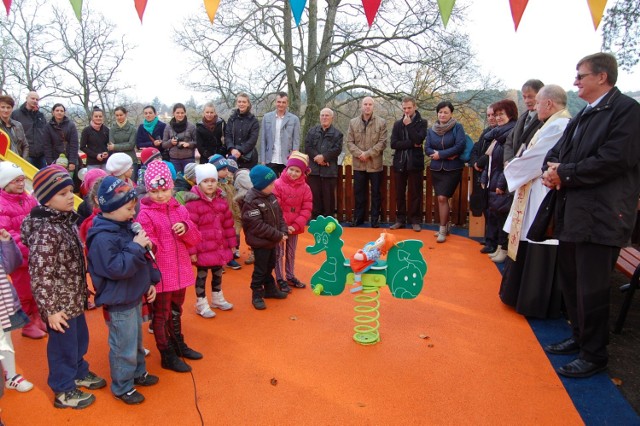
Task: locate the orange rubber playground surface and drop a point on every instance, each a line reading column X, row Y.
column 453, row 355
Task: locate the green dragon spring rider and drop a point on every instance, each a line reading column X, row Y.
column 403, row 271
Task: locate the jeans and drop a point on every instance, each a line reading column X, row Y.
column 180, row 164
column 38, row 162
column 65, row 355
column 126, row 353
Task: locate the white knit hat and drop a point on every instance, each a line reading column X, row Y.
column 206, row 171
column 8, row 172
column 118, row 164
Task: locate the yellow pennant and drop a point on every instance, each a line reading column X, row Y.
column 597, row 10
column 212, row 7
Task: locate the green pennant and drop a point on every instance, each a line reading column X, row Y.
column 77, row 8
column 446, row 6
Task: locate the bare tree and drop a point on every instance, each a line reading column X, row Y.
column 332, row 58
column 621, row 32
column 27, row 57
column 90, row 58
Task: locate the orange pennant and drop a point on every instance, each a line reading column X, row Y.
column 517, row 10
column 212, row 7
column 7, row 4
column 596, row 7
column 371, row 9
column 140, row 6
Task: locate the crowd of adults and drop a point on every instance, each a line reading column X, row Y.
column 590, row 162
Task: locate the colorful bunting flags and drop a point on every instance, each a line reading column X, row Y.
column 446, row 6
column 371, row 9
column 212, row 7
column 140, row 6
column 517, row 10
column 7, row 4
column 596, row 7
column 77, row 8
column 297, row 7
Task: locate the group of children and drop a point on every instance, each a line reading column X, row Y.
column 135, row 265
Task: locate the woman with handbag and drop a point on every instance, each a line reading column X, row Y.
column 61, row 137
column 506, row 114
column 445, row 142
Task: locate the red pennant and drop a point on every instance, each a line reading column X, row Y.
column 140, row 6
column 371, row 9
column 7, row 4
column 517, row 10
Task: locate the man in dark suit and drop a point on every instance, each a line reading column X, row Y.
column 527, row 123
column 595, row 166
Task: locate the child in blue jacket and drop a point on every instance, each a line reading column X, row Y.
column 122, row 274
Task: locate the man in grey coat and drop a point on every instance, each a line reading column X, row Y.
column 527, row 124
column 280, row 135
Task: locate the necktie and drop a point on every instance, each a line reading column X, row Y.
column 576, row 132
column 527, row 120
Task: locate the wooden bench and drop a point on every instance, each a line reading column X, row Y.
column 629, row 264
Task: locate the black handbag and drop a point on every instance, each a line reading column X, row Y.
column 543, row 224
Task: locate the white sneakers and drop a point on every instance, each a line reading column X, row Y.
column 499, row 255
column 218, row 301
column 203, row 309
column 18, row 383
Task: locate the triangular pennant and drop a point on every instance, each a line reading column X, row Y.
column 212, row 7
column 371, row 9
column 77, row 8
column 446, row 6
column 517, row 10
column 7, row 4
column 597, row 10
column 297, row 7
column 140, row 6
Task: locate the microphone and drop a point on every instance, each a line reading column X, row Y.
column 136, row 228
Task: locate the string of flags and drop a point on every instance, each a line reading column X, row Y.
column 596, row 7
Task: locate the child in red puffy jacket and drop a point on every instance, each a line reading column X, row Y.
column 211, row 214
column 296, row 202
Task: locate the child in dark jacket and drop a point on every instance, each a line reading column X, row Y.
column 296, row 202
column 121, row 275
column 172, row 233
column 264, row 228
column 211, row 214
column 59, row 284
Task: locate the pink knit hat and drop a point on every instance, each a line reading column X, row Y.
column 89, row 179
column 157, row 176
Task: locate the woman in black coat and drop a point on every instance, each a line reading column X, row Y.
column 210, row 134
column 241, row 133
column 506, row 113
column 61, row 137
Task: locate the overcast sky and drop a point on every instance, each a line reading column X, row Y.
column 553, row 35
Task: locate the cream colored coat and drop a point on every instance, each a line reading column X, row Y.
column 371, row 141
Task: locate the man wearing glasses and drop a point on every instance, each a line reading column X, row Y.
column 595, row 166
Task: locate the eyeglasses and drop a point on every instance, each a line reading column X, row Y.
column 579, row 77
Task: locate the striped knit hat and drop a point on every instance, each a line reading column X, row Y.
column 49, row 181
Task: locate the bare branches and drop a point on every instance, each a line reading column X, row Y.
column 621, row 32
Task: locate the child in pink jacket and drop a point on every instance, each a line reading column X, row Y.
column 172, row 234
column 211, row 214
column 15, row 205
column 296, row 202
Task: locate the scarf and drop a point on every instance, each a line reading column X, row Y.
column 150, row 126
column 521, row 198
column 178, row 127
column 210, row 125
column 441, row 129
column 95, row 126
column 120, row 126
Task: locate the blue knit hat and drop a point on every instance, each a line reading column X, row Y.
column 261, row 176
column 114, row 193
column 219, row 161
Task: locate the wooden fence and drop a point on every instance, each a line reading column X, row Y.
column 459, row 201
